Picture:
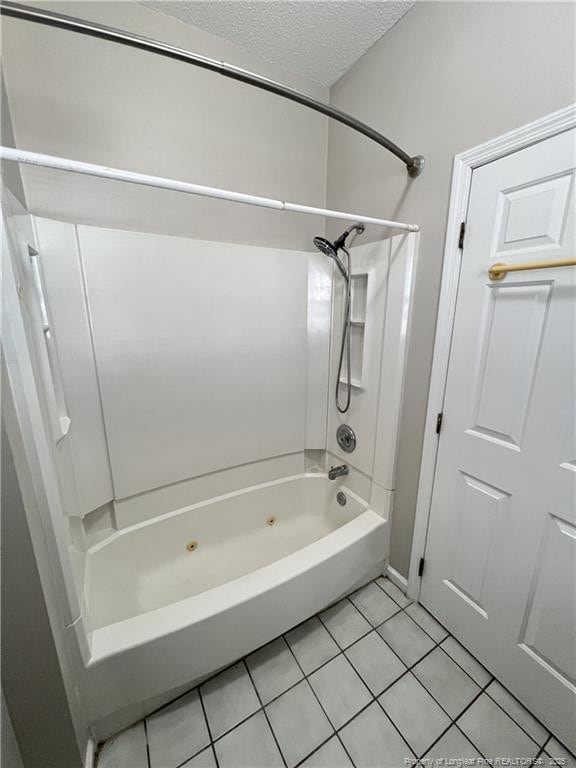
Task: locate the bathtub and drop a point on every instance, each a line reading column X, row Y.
column 175, row 598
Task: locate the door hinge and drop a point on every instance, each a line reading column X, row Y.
column 421, row 567
column 439, row 418
column 461, row 236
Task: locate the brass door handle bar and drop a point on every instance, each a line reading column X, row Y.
column 499, row 271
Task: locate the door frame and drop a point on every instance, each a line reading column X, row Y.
column 464, row 165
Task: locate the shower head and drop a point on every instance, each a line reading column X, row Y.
column 329, row 249
column 325, row 247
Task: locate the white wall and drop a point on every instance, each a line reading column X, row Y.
column 91, row 100
column 448, row 76
column 11, row 176
column 201, row 350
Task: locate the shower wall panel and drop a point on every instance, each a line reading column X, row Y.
column 201, row 350
column 369, row 262
column 383, row 271
column 318, row 362
column 61, row 269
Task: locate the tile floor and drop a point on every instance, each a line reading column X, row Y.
column 373, row 682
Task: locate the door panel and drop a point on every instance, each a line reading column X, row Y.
column 501, row 548
column 534, row 215
column 549, row 632
column 480, row 508
column 508, row 355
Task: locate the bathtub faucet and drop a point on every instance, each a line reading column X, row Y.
column 340, row 471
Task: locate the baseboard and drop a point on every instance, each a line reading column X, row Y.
column 397, row 578
column 90, row 754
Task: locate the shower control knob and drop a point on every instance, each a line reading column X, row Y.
column 346, row 438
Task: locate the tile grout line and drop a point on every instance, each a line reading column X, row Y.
column 453, row 721
column 232, row 728
column 396, row 728
column 322, row 744
column 210, row 744
column 333, row 638
column 369, row 621
column 513, row 718
column 407, row 672
column 207, row 728
column 463, row 712
column 548, row 732
column 185, row 762
column 263, row 708
column 570, row 752
column 345, row 748
column 341, row 653
column 148, row 758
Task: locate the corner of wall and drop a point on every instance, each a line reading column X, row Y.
column 11, row 176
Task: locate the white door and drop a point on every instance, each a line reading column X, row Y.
column 501, row 550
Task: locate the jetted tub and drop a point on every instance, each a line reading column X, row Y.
column 175, row 598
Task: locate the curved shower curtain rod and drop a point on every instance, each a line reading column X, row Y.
column 414, row 164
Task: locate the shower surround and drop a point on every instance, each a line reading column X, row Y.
column 197, row 378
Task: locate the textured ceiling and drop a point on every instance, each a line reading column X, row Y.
column 318, row 39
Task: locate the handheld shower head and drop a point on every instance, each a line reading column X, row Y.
column 325, row 247
column 329, row 249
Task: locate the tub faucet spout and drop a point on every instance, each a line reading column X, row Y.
column 340, row 471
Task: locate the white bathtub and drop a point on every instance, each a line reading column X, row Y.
column 162, row 615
